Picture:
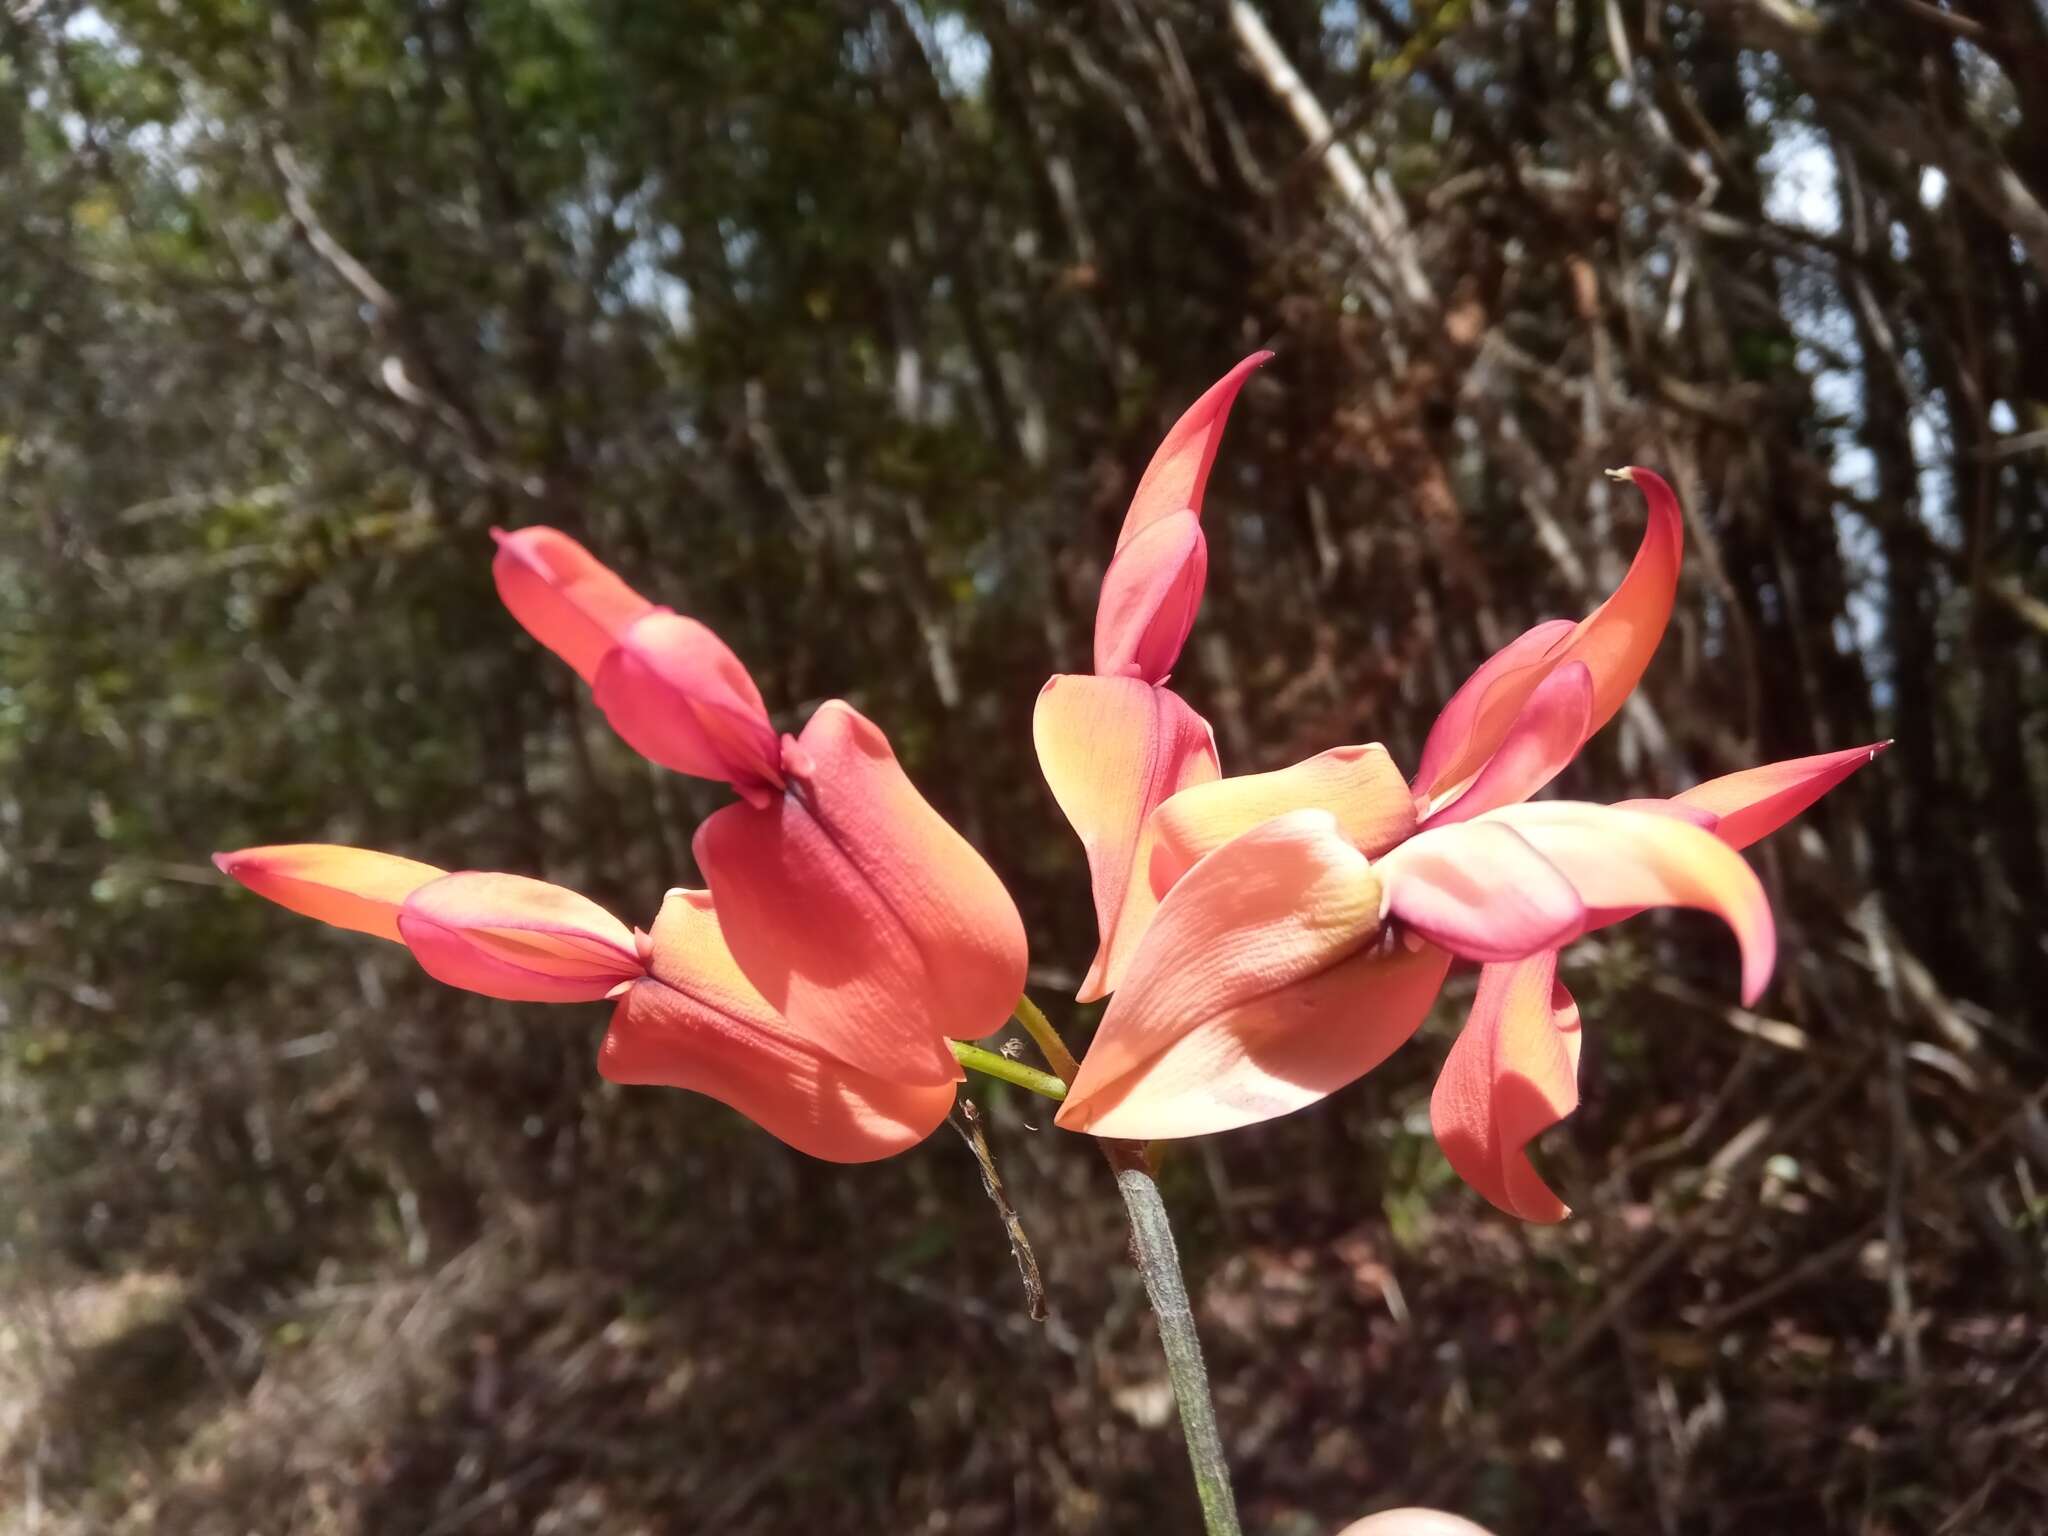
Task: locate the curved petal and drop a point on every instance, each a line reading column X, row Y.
column 563, row 595
column 516, row 938
column 1545, row 736
column 697, row 1023
column 1260, row 988
column 1149, row 596
column 1483, row 708
column 348, row 887
column 1113, row 749
column 1757, row 801
column 680, row 698
column 1512, row 1073
column 863, row 918
column 1179, row 471
column 1360, row 786
column 1615, row 641
column 1621, row 861
column 1481, row 892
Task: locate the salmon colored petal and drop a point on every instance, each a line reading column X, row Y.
column 1113, row 749
column 1617, row 639
column 1545, row 736
column 1481, row 892
column 1758, row 801
column 520, row 939
column 1149, row 597
column 1484, row 707
column 862, row 917
column 1360, row 786
column 1179, row 471
column 697, row 1023
column 1261, row 987
column 680, row 698
column 563, row 595
column 1512, row 1073
column 1622, row 861
column 1270, row 1055
column 348, row 887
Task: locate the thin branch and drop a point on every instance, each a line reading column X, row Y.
column 966, row 1119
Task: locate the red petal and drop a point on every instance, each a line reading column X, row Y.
column 697, row 1023
column 862, row 917
column 511, row 937
column 1179, row 471
column 680, row 698
column 1113, row 749
column 1512, row 1073
column 1149, row 597
column 1757, row 801
column 563, row 596
column 348, row 887
column 1617, row 639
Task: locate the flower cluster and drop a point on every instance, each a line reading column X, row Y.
column 847, row 935
column 1272, row 937
column 1265, row 939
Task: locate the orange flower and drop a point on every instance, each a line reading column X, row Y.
column 1307, row 916
column 1116, row 744
column 686, row 1017
column 847, row 901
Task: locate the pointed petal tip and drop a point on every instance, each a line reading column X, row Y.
column 355, row 888
column 562, row 595
column 1754, row 802
column 1511, row 1074
column 1178, row 473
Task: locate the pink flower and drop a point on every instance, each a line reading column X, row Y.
column 1308, row 916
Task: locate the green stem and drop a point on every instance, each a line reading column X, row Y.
column 1048, row 1040
column 1159, row 1263
column 1009, row 1071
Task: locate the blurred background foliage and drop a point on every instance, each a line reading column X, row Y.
column 846, row 327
